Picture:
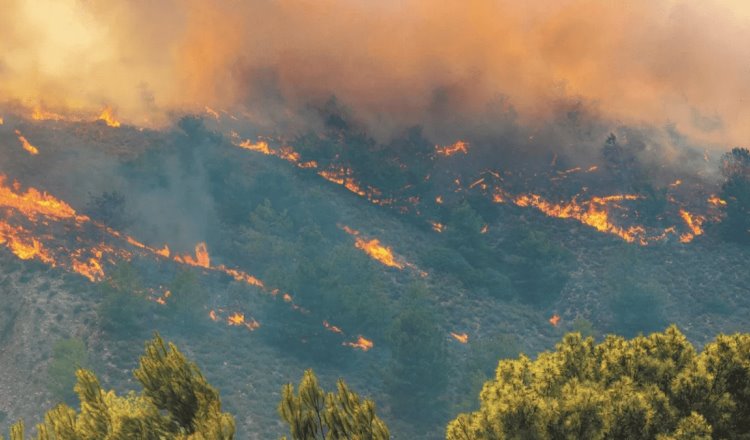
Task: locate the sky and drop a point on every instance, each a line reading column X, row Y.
column 394, row 63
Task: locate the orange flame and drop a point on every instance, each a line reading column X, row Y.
column 450, row 150
column 716, row 201
column 461, row 337
column 694, row 223
column 374, row 249
column 332, row 328
column 437, row 227
column 201, row 257
column 32, row 150
column 592, row 213
column 361, row 343
column 555, row 320
column 107, row 115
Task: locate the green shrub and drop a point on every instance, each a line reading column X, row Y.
column 68, row 355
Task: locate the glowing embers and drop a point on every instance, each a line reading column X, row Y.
column 108, row 117
column 450, row 150
column 32, row 150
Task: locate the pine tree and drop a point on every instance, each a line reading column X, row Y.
column 176, row 404
column 649, row 387
column 313, row 414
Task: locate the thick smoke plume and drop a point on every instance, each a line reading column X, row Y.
column 394, row 63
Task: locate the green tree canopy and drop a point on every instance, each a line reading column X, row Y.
column 313, row 414
column 176, row 404
column 649, row 387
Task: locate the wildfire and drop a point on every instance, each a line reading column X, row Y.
column 32, row 150
column 107, row 115
column 555, row 320
column 332, row 328
column 460, row 337
column 437, row 227
column 593, row 213
column 450, row 150
column 716, row 201
column 374, row 249
column 259, row 147
column 39, row 114
column 238, row 319
column 694, row 223
column 201, row 257
column 361, row 343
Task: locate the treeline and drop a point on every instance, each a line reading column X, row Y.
column 649, row 387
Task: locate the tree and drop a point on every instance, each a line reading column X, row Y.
column 417, row 375
column 649, row 387
column 176, row 404
column 313, row 414
column 736, row 194
column 68, row 355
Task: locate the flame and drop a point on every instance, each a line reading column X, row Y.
column 260, row 146
column 461, row 337
column 437, row 227
column 555, row 320
column 676, row 183
column 361, row 343
column 593, row 213
column 694, row 223
column 201, row 257
column 107, row 115
column 2, row 121
column 450, row 150
column 484, row 229
column 39, row 114
column 213, row 113
column 332, row 328
column 374, row 249
column 26, row 144
column 716, row 201
column 439, row 200
column 212, row 315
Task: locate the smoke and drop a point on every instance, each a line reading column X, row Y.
column 394, row 63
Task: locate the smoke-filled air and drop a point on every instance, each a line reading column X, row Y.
column 351, row 219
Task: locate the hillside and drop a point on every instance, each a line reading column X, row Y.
column 490, row 281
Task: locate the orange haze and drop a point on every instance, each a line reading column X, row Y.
column 394, row 62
